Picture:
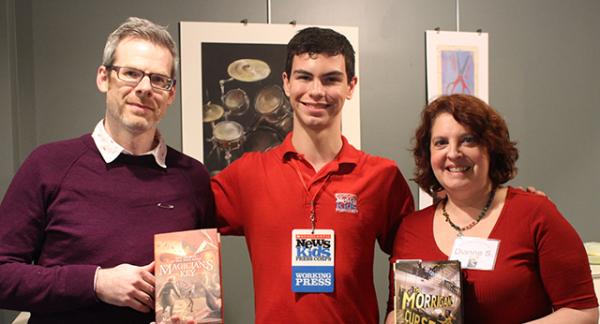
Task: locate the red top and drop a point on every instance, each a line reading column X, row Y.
column 541, row 263
column 262, row 197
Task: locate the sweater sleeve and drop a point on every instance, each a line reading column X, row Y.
column 564, row 266
column 198, row 179
column 25, row 284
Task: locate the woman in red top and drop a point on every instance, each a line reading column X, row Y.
column 541, row 272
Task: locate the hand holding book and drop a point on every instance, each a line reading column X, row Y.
column 127, row 285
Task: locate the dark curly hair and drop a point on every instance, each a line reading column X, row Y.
column 487, row 126
column 315, row 40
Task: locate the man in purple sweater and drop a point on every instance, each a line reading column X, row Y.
column 76, row 241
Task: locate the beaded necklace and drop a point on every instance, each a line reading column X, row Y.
column 459, row 229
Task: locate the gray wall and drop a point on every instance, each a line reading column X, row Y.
column 543, row 79
column 7, row 163
column 6, row 122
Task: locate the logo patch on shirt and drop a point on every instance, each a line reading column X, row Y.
column 346, row 203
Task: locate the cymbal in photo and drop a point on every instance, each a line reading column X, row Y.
column 212, row 112
column 248, row 70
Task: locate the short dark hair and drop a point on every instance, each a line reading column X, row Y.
column 486, row 124
column 315, row 40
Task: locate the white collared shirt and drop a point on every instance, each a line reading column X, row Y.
column 110, row 150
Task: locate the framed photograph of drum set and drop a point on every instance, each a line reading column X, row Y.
column 457, row 62
column 232, row 97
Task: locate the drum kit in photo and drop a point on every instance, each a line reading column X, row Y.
column 240, row 123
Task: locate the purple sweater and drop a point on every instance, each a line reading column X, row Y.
column 67, row 212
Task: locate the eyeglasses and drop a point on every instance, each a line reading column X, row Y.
column 134, row 76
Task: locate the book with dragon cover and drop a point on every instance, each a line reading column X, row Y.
column 188, row 276
column 427, row 292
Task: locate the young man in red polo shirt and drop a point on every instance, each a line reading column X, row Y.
column 312, row 208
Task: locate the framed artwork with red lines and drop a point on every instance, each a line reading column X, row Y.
column 457, row 62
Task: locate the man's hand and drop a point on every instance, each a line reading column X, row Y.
column 127, row 285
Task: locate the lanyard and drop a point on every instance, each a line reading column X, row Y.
column 315, row 198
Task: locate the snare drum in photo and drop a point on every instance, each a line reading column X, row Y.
column 272, row 104
column 228, row 135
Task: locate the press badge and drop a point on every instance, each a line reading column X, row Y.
column 313, row 260
column 475, row 252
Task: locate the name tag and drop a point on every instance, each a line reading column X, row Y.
column 475, row 253
column 313, row 258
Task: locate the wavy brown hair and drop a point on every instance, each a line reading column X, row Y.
column 488, row 127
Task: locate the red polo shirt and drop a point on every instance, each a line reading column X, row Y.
column 262, row 196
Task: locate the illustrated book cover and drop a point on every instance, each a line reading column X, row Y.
column 188, row 276
column 427, row 292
